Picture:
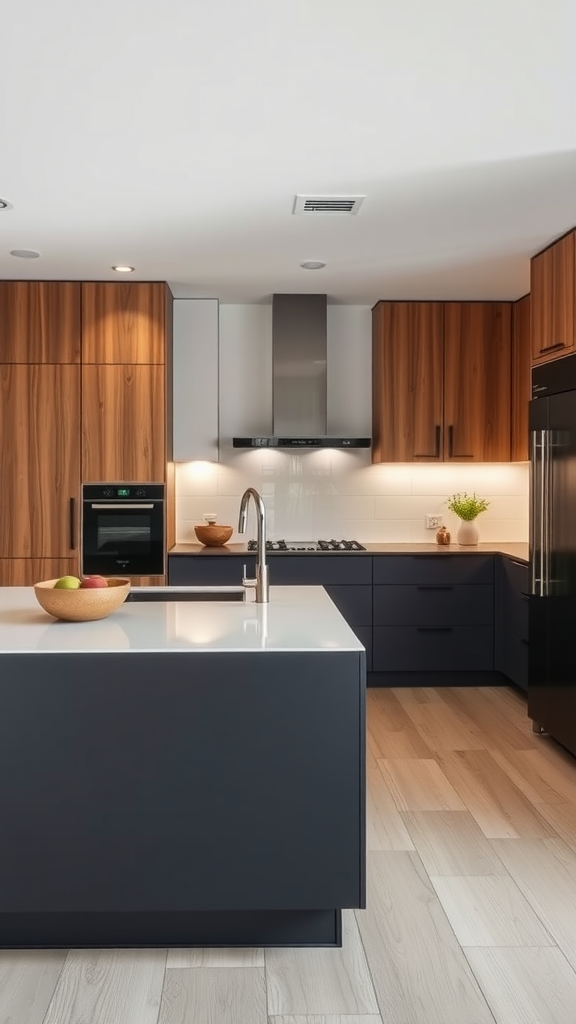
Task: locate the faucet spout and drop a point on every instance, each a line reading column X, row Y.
column 260, row 582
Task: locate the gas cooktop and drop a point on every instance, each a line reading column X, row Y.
column 312, row 545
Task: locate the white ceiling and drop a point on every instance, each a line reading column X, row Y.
column 174, row 136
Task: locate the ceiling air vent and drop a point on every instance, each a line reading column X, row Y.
column 328, row 204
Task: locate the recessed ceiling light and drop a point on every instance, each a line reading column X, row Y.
column 312, row 265
column 25, row 254
column 123, row 270
column 5, row 205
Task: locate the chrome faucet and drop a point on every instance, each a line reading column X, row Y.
column 260, row 583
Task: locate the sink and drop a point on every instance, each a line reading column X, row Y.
column 187, row 594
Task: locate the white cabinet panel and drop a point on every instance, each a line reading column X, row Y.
column 195, row 371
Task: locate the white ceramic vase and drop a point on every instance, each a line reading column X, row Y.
column 468, row 532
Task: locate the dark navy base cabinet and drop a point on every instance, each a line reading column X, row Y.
column 511, row 627
column 433, row 614
column 181, row 799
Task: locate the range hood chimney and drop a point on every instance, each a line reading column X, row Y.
column 299, row 378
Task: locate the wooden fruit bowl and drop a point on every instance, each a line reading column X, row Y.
column 82, row 605
column 213, row 535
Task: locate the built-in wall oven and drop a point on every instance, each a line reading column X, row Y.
column 123, row 529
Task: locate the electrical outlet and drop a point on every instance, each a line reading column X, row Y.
column 433, row 522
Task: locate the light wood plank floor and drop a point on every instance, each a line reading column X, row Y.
column 471, row 916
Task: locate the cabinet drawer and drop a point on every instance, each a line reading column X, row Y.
column 355, row 603
column 206, row 570
column 432, row 649
column 440, row 569
column 320, row 570
column 432, row 604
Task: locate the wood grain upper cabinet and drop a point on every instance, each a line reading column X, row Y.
column 123, row 423
column 441, row 382
column 407, row 382
column 39, row 322
column 40, row 463
column 553, row 300
column 521, row 382
column 124, row 322
column 477, row 381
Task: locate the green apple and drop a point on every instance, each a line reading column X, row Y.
column 67, row 583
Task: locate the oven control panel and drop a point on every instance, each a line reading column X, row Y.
column 122, row 492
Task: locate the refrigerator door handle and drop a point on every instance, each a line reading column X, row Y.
column 547, row 511
column 537, row 512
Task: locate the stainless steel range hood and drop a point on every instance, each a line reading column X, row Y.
column 299, row 378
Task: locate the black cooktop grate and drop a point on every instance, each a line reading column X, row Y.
column 320, row 545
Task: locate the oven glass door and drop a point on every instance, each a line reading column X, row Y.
column 122, row 538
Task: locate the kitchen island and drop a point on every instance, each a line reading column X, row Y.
column 181, row 773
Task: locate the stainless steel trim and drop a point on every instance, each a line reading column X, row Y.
column 110, row 504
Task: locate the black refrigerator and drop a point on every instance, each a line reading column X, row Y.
column 552, row 600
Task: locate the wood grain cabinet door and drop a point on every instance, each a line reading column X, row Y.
column 25, row 572
column 477, row 381
column 407, row 382
column 521, row 382
column 124, row 322
column 123, row 423
column 40, row 462
column 39, row 322
column 553, row 300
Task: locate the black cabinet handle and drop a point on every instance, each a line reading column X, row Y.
column 434, row 629
column 522, row 640
column 436, row 455
column 73, row 523
column 553, row 348
column 432, row 586
column 525, row 597
column 451, row 445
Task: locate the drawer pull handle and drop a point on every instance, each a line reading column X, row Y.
column 525, row 597
column 73, row 523
column 553, row 348
column 524, row 641
column 432, row 586
column 434, row 629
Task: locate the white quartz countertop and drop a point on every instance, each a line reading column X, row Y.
column 295, row 619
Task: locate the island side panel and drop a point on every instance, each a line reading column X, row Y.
column 176, row 782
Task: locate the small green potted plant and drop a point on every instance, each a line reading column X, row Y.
column 467, row 507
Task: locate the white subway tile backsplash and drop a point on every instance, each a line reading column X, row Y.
column 317, row 494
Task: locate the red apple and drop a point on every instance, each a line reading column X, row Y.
column 93, row 582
